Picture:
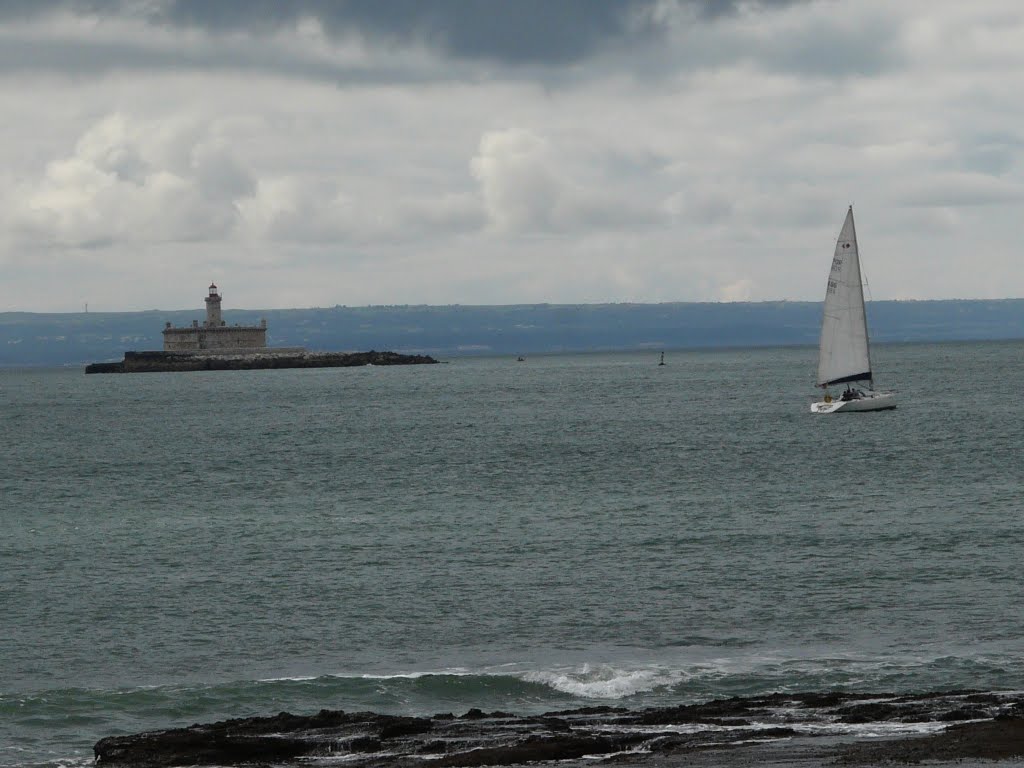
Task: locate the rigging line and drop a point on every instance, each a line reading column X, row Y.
column 864, row 276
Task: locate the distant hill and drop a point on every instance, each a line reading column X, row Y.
column 28, row 338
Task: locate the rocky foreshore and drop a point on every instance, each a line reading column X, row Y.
column 162, row 362
column 780, row 729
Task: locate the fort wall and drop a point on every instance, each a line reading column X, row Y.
column 223, row 338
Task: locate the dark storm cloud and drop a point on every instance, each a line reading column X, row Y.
column 84, row 58
column 535, row 31
column 541, row 32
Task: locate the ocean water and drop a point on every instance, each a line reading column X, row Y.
column 564, row 531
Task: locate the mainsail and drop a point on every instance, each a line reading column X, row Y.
column 843, row 353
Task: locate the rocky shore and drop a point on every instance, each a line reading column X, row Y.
column 162, row 362
column 814, row 729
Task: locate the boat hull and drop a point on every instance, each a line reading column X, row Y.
column 876, row 401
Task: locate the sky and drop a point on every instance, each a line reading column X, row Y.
column 366, row 152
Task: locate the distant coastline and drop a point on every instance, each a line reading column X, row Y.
column 55, row 339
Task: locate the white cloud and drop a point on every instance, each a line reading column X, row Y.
column 741, row 290
column 128, row 182
column 520, row 190
column 954, row 190
column 305, row 162
column 315, row 211
column 527, row 188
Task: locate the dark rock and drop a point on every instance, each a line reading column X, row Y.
column 962, row 714
column 770, row 733
column 603, row 710
column 117, row 367
column 247, row 739
column 434, row 747
column 499, row 738
column 993, row 740
column 868, row 713
column 168, row 748
column 177, row 362
column 982, row 698
column 364, row 744
column 531, row 751
column 707, row 739
column 405, row 726
column 476, row 714
column 552, row 724
column 710, row 712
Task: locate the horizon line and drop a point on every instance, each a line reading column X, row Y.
column 497, row 306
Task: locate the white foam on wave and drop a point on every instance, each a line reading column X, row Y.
column 859, row 730
column 603, row 681
column 701, row 673
column 872, row 730
column 68, row 762
column 448, row 672
column 600, row 680
column 814, row 667
column 454, row 672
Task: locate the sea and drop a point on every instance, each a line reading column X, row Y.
column 525, row 536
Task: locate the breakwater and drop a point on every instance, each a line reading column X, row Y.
column 163, row 362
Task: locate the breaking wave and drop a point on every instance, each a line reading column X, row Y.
column 65, row 723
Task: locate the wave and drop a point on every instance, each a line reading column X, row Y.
column 66, row 722
column 519, row 687
column 603, row 681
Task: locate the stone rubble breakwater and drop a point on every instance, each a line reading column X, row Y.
column 163, row 362
column 806, row 729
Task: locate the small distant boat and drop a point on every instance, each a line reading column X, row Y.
column 520, row 359
column 843, row 354
column 662, row 362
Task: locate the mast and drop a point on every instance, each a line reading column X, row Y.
column 860, row 294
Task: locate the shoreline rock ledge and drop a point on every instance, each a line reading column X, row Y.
column 172, row 362
column 797, row 729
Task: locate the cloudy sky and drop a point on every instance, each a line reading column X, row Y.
column 322, row 152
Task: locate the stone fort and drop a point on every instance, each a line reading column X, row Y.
column 214, row 334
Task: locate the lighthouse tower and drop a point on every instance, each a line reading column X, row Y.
column 213, row 334
column 213, row 308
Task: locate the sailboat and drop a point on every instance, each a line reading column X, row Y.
column 843, row 355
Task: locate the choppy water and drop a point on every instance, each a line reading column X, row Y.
column 524, row 536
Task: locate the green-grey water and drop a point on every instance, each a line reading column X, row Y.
column 524, row 536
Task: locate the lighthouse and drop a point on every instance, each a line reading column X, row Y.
column 213, row 308
column 213, row 334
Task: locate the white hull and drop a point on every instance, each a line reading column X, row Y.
column 874, row 401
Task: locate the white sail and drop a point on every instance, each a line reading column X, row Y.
column 843, row 353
